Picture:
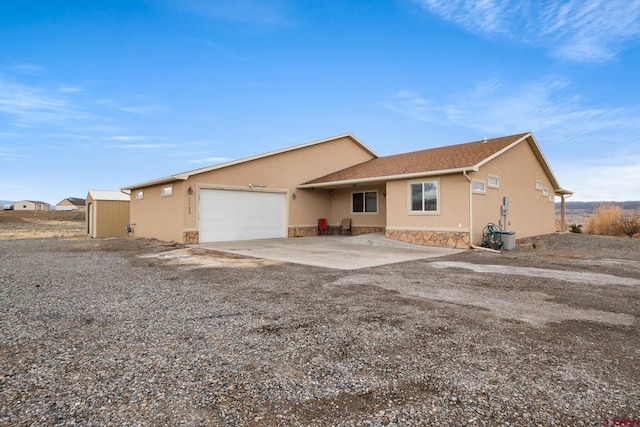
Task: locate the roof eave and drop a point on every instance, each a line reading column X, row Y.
column 158, row 181
column 387, row 178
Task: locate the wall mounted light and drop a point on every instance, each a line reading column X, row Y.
column 190, row 190
column 293, row 196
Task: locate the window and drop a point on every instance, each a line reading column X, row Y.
column 545, row 192
column 552, row 199
column 539, row 185
column 364, row 202
column 140, row 194
column 479, row 187
column 167, row 190
column 424, row 196
column 493, row 181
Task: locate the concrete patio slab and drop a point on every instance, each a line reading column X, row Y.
column 339, row 252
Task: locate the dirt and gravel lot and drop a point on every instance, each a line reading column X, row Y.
column 103, row 332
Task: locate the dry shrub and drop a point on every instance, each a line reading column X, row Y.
column 605, row 221
column 630, row 222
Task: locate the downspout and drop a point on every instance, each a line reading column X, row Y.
column 471, row 245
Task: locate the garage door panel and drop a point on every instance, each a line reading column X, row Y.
column 226, row 215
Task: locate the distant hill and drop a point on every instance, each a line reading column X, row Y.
column 590, row 206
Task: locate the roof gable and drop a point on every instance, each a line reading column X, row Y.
column 441, row 160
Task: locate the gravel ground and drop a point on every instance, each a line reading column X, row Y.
column 96, row 332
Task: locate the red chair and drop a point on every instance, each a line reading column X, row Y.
column 322, row 226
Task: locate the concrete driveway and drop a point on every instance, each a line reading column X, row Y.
column 339, row 252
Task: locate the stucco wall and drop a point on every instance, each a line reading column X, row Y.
column 530, row 213
column 170, row 218
column 156, row 215
column 518, row 169
column 453, row 214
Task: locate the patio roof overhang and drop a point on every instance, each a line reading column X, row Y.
column 329, row 185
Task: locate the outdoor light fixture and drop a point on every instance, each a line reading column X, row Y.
column 190, row 190
column 293, row 196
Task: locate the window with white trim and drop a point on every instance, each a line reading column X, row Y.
column 479, row 187
column 140, row 194
column 167, row 190
column 493, row 181
column 545, row 192
column 425, row 196
column 539, row 185
column 552, row 199
column 364, row 202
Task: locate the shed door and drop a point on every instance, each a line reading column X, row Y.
column 226, row 215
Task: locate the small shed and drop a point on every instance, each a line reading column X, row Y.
column 107, row 213
column 71, row 204
column 32, row 205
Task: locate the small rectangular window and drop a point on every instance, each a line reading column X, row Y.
column 364, row 202
column 424, row 196
column 479, row 187
column 551, row 198
column 539, row 185
column 493, row 181
column 140, row 194
column 167, row 190
column 545, row 192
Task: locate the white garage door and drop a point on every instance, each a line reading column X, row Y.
column 227, row 215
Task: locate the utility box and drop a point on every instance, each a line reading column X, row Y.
column 508, row 239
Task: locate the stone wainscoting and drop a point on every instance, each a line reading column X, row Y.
column 190, row 237
column 431, row 238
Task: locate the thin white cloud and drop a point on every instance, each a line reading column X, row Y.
column 210, row 160
column 145, row 106
column 615, row 179
column 498, row 107
column 9, row 154
column 69, row 89
column 29, row 106
column 126, row 138
column 141, row 146
column 578, row 30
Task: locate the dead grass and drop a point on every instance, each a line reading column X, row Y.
column 611, row 220
column 39, row 225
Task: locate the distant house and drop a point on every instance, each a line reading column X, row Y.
column 31, row 205
column 441, row 196
column 107, row 213
column 71, row 204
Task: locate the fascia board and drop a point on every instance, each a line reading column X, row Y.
column 388, row 178
column 158, row 181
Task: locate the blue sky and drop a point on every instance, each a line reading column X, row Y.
column 102, row 94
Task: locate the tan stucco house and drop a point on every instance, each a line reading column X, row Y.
column 442, row 196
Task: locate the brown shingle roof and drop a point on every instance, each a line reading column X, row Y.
column 452, row 157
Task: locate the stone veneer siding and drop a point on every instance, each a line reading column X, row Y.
column 191, row 237
column 431, row 238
